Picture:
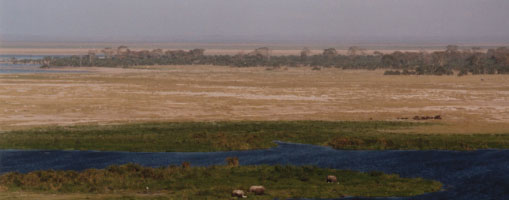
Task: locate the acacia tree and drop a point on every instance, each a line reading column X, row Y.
column 264, row 52
column 304, row 53
column 330, row 52
column 451, row 49
column 355, row 51
column 108, row 52
column 123, row 50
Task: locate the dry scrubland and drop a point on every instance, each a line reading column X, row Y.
column 196, row 93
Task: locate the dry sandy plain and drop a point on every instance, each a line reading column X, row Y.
column 83, row 51
column 66, row 48
column 195, row 93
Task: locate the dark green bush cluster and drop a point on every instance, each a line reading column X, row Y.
column 419, row 141
column 466, row 61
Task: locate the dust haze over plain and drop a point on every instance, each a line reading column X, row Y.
column 292, row 21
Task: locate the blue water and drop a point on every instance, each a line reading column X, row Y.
column 471, row 175
column 29, row 57
column 6, row 57
column 6, row 68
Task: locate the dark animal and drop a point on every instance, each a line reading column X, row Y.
column 425, row 117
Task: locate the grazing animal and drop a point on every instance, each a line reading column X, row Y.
column 239, row 194
column 426, row 117
column 332, row 179
column 257, row 189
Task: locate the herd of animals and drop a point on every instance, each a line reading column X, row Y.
column 436, row 117
column 260, row 189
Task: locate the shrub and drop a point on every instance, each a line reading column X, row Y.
column 232, row 161
column 346, row 142
column 375, row 173
column 186, row 165
column 390, row 72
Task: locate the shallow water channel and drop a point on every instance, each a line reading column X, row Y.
column 6, row 68
column 482, row 174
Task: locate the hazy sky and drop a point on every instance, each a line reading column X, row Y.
column 255, row 20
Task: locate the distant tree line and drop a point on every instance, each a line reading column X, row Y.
column 452, row 59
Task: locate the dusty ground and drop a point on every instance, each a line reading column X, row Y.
column 183, row 93
column 73, row 48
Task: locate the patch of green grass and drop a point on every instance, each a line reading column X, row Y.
column 217, row 182
column 244, row 135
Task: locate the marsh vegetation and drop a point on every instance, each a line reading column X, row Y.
column 243, row 135
column 217, row 182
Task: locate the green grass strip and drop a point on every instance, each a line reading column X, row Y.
column 217, row 182
column 244, row 135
